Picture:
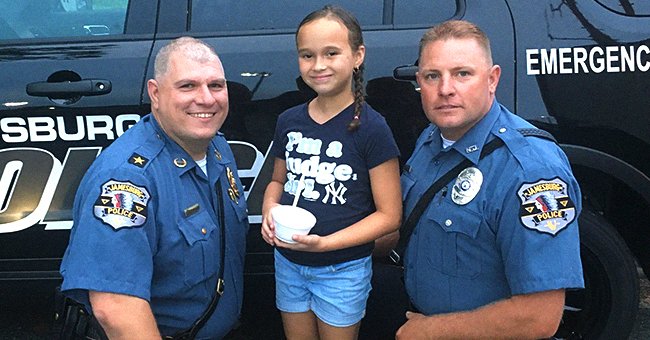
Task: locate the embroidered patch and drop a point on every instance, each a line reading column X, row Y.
column 546, row 206
column 138, row 160
column 122, row 204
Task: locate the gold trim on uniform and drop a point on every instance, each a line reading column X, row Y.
column 233, row 191
column 217, row 154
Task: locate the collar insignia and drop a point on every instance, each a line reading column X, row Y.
column 180, row 162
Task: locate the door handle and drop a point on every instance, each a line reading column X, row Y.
column 66, row 89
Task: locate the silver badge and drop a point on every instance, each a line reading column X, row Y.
column 468, row 184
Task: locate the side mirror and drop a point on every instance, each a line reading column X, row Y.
column 405, row 72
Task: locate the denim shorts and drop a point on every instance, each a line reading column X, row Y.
column 337, row 294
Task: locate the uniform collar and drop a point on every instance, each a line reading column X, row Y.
column 179, row 158
column 472, row 142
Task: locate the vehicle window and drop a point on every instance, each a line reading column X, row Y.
column 627, row 7
column 230, row 15
column 418, row 12
column 31, row 19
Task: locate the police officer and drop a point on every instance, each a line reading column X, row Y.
column 497, row 246
column 160, row 208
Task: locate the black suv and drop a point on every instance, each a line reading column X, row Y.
column 74, row 78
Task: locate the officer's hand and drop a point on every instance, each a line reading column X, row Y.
column 311, row 243
column 268, row 228
column 413, row 328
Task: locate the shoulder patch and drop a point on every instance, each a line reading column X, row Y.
column 122, row 204
column 138, row 160
column 546, row 206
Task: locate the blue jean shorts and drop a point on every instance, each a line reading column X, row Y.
column 337, row 294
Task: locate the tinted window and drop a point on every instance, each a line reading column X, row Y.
column 418, row 12
column 231, row 15
column 30, row 19
column 627, row 7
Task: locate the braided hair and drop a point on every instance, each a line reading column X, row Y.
column 356, row 41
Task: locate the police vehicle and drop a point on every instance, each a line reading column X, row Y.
column 73, row 78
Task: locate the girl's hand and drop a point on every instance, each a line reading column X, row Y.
column 310, row 243
column 268, row 228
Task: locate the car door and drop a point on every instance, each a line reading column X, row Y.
column 72, row 77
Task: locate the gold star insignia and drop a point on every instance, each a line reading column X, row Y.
column 138, row 160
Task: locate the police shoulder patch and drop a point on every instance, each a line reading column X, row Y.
column 546, row 206
column 122, row 204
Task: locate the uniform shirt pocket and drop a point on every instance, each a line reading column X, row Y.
column 201, row 248
column 457, row 229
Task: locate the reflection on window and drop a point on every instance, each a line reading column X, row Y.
column 627, row 7
column 231, row 15
column 426, row 13
column 31, row 19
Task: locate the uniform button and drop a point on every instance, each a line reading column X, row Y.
column 448, row 223
column 204, row 231
column 502, row 130
column 436, row 162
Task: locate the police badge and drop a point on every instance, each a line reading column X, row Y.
column 546, row 206
column 122, row 204
column 468, row 184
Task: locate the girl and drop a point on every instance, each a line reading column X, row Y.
column 344, row 154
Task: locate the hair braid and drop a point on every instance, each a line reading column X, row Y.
column 359, row 99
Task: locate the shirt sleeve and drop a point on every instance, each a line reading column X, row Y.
column 112, row 240
column 380, row 144
column 538, row 232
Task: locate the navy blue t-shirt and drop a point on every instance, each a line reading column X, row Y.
column 335, row 164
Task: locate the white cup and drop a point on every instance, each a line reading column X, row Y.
column 290, row 220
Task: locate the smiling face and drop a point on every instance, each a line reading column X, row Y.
column 190, row 101
column 457, row 83
column 325, row 57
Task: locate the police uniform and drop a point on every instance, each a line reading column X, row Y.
column 146, row 224
column 506, row 225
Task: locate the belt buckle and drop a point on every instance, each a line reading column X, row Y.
column 394, row 256
column 220, row 286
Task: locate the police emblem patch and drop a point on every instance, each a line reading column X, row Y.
column 122, row 204
column 546, row 206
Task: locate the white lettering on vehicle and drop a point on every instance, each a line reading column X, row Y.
column 565, row 60
column 49, row 129
column 36, row 188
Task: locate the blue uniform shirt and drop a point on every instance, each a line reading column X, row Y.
column 146, row 224
column 505, row 226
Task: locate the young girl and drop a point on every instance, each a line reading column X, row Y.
column 347, row 158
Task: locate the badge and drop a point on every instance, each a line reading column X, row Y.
column 217, row 154
column 138, row 160
column 180, row 162
column 546, row 206
column 233, row 191
column 468, row 184
column 122, row 204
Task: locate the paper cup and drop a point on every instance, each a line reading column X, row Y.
column 290, row 220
